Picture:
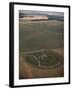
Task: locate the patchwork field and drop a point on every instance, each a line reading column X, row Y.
column 41, row 49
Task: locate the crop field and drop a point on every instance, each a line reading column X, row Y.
column 41, row 46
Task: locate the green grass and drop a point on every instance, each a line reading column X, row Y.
column 40, row 35
column 51, row 59
column 31, row 60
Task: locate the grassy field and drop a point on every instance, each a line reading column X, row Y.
column 41, row 35
column 27, row 71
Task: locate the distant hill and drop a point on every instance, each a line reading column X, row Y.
column 39, row 15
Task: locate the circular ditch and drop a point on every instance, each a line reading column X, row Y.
column 47, row 59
